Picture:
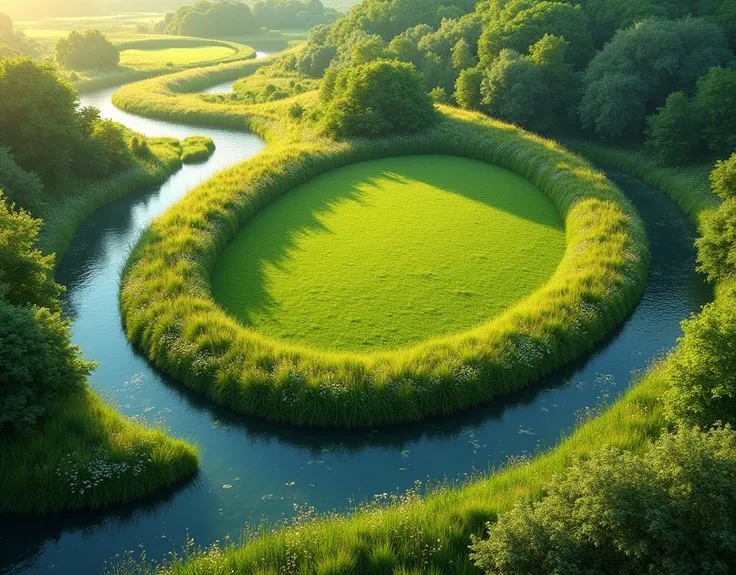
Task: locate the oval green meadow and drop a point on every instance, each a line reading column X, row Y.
column 386, row 253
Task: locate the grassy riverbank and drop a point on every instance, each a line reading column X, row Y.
column 421, row 534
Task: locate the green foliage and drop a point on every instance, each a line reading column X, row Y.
column 110, row 137
column 292, row 14
column 87, row 51
column 674, row 131
column 39, row 366
column 641, row 66
column 715, row 103
column 702, row 371
column 462, row 57
column 467, row 88
column 41, row 143
column 672, row 510
column 25, row 274
column 13, row 42
column 24, row 189
column 210, row 19
column 522, row 23
column 377, row 99
column 511, row 88
column 723, row 178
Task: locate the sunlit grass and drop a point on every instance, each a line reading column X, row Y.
column 177, row 56
column 87, row 455
column 168, row 309
column 382, row 254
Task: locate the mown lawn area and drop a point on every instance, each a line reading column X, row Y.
column 177, row 56
column 386, row 253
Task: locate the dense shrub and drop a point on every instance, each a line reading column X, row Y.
column 25, row 274
column 641, row 66
column 87, row 51
column 377, row 99
column 196, row 149
column 467, row 88
column 38, row 366
column 24, row 189
column 38, row 363
column 670, row 511
column 205, row 19
column 702, row 371
column 674, row 131
column 723, row 178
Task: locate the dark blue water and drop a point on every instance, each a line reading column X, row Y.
column 253, row 471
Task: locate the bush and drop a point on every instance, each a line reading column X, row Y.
column 25, row 273
column 723, row 178
column 216, row 19
column 21, row 188
column 377, row 99
column 38, row 366
column 671, row 511
column 702, row 371
column 511, row 88
column 467, row 88
column 87, row 51
column 196, row 149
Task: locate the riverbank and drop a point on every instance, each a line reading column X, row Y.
column 416, row 533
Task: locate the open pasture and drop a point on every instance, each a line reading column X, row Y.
column 361, row 259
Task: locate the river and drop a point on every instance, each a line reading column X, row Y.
column 254, row 471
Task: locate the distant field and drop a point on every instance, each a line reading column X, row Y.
column 386, row 253
column 177, row 56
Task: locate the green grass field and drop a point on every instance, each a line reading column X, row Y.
column 359, row 258
column 177, row 56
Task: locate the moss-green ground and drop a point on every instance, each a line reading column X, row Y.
column 386, row 253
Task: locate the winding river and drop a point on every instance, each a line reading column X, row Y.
column 253, row 471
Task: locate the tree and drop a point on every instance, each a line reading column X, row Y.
column 522, row 23
column 217, row 19
column 467, row 88
column 41, row 143
column 561, row 86
column 669, row 511
column 462, row 57
column 674, row 131
column 87, row 51
column 511, row 87
column 636, row 71
column 716, row 106
column 376, row 99
column 26, row 275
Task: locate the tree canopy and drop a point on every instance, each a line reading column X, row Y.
column 87, row 51
column 376, row 99
column 205, row 19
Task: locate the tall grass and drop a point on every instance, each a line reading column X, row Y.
column 168, row 310
column 432, row 533
column 88, row 456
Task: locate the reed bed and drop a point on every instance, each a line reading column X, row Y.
column 169, row 313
